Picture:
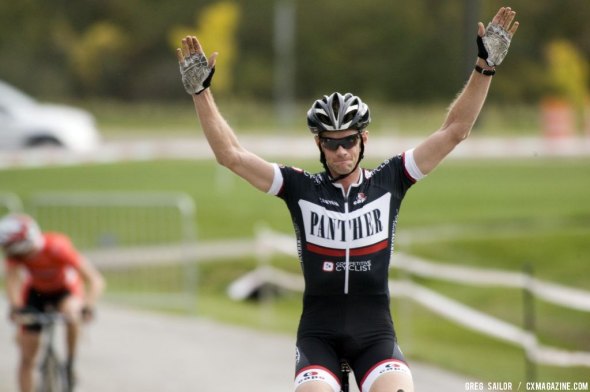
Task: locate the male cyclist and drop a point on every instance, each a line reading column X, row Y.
column 345, row 217
column 54, row 275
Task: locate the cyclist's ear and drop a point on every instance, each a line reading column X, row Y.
column 365, row 136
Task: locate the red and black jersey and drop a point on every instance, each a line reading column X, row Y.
column 54, row 267
column 345, row 240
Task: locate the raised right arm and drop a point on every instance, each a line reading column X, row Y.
column 220, row 136
column 226, row 147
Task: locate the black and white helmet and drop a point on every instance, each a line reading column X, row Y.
column 338, row 112
column 20, row 234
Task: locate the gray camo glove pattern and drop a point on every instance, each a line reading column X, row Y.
column 493, row 46
column 196, row 74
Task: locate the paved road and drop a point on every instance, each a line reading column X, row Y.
column 134, row 351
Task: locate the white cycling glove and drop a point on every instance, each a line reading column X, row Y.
column 196, row 74
column 493, row 46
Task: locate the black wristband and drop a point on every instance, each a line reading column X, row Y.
column 486, row 72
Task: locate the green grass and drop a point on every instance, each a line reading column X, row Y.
column 479, row 197
column 488, row 213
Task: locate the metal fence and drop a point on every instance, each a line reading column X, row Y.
column 141, row 241
column 9, row 202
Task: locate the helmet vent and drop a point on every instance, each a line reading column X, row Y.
column 323, row 118
column 335, row 104
column 348, row 118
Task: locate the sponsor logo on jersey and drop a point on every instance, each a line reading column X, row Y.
column 360, row 228
column 360, row 198
column 329, row 202
column 354, row 266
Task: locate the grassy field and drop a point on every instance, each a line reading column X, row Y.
column 492, row 213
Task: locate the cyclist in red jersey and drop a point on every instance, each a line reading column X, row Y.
column 345, row 217
column 43, row 271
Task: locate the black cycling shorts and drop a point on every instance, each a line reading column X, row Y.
column 357, row 329
column 41, row 302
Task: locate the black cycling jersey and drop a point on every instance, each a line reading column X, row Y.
column 345, row 240
column 345, row 243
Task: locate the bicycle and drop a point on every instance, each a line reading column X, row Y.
column 53, row 372
column 344, row 373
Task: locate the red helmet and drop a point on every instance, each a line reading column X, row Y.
column 20, row 234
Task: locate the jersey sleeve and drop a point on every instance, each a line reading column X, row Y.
column 60, row 248
column 410, row 167
column 398, row 173
column 289, row 182
column 277, row 182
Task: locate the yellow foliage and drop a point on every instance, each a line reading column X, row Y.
column 568, row 71
column 216, row 28
column 90, row 53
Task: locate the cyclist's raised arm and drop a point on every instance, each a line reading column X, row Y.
column 493, row 43
column 197, row 73
column 226, row 147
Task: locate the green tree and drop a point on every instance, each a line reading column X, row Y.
column 385, row 50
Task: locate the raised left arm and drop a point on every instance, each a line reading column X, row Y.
column 493, row 45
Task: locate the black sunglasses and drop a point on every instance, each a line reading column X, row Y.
column 346, row 142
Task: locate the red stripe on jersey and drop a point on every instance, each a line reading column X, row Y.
column 326, row 251
column 353, row 252
column 369, row 249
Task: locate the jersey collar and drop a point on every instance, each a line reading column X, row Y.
column 354, row 185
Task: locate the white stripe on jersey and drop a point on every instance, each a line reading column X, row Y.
column 277, row 181
column 411, row 166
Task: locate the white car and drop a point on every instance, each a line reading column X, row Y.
column 24, row 122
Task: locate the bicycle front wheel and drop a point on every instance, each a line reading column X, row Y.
column 53, row 377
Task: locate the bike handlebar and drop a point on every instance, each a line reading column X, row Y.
column 36, row 317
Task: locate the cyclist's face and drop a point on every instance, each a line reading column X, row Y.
column 341, row 149
column 20, row 251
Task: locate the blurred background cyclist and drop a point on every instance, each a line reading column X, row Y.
column 44, row 271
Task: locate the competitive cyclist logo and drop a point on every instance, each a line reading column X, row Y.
column 353, row 266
